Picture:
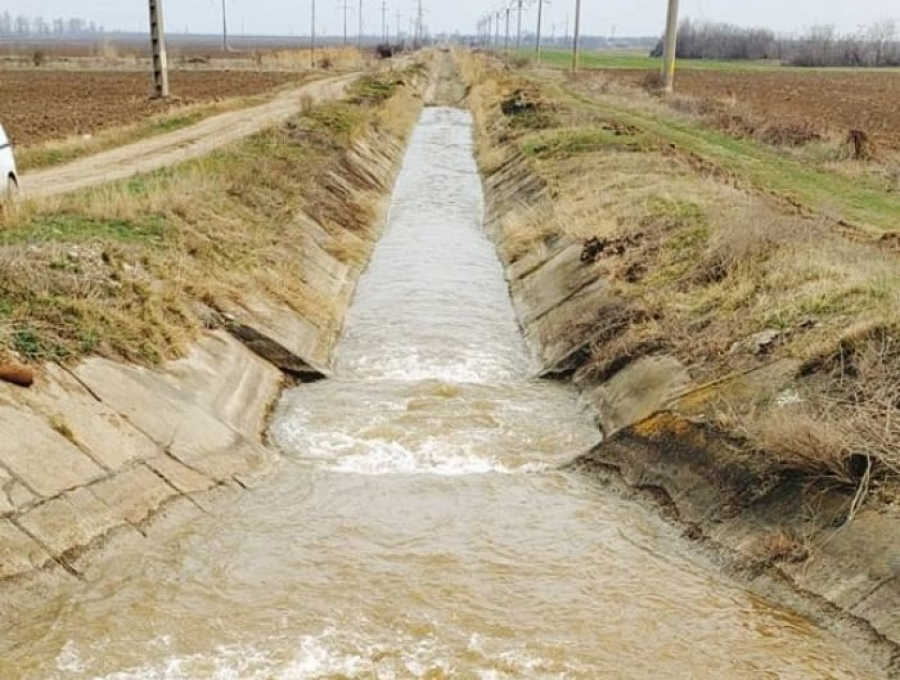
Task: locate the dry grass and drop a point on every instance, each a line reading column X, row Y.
column 707, row 265
column 118, row 270
column 337, row 58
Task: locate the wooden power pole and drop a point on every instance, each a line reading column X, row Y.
column 158, row 42
column 670, row 48
column 537, row 43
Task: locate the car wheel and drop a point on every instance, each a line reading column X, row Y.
column 12, row 190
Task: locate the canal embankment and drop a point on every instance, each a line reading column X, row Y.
column 739, row 350
column 161, row 317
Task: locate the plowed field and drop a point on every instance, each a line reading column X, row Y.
column 38, row 105
column 833, row 102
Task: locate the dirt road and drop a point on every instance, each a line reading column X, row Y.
column 169, row 149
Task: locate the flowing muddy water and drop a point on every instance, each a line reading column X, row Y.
column 420, row 526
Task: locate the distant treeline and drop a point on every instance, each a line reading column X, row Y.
column 22, row 26
column 877, row 45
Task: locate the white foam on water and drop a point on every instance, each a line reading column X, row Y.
column 332, row 654
column 343, row 452
column 70, row 660
column 390, row 458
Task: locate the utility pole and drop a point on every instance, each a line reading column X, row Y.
column 346, row 7
column 497, row 15
column 670, row 48
column 577, row 36
column 537, row 48
column 419, row 26
column 158, row 42
column 506, row 42
column 359, row 32
column 224, row 27
column 385, row 31
column 312, row 35
column 519, row 28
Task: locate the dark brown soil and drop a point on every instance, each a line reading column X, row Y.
column 833, row 102
column 38, row 106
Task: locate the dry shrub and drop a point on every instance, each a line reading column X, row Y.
column 780, row 546
column 652, row 82
column 745, row 243
column 845, row 424
column 790, row 134
column 108, row 52
column 800, row 440
column 735, row 124
column 859, row 145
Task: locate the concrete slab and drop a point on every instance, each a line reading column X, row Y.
column 229, row 382
column 40, row 457
column 552, row 284
column 19, row 554
column 69, row 522
column 296, row 336
column 109, row 438
column 133, row 495
column 166, row 413
column 638, row 391
column 854, row 562
column 183, row 478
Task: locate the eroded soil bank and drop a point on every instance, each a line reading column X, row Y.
column 174, row 341
column 647, row 275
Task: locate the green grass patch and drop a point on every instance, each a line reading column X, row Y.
column 564, row 143
column 637, row 61
column 151, row 229
column 863, row 202
column 605, row 60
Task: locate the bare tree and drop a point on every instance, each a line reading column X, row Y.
column 882, row 37
column 23, row 26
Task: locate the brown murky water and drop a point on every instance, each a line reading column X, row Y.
column 419, row 527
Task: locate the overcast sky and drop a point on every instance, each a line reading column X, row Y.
column 291, row 17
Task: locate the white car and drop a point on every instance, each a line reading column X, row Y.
column 9, row 178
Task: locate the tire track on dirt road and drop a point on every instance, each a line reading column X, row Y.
column 176, row 147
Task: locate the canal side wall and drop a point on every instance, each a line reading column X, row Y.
column 105, row 453
column 659, row 442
